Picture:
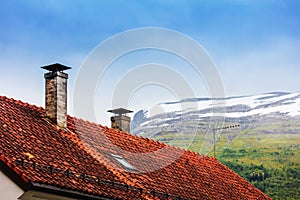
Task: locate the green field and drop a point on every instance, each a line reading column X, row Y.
column 266, row 154
column 272, row 151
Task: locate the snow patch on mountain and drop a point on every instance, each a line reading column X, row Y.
column 163, row 114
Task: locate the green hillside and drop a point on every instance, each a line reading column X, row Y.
column 266, row 153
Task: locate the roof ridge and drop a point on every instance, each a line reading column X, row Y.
column 99, row 125
column 126, row 133
column 20, row 102
column 40, row 108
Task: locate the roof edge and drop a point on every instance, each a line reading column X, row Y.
column 66, row 192
column 16, row 178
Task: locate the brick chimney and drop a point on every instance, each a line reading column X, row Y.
column 120, row 120
column 56, row 94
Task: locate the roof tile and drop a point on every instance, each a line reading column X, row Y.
column 80, row 158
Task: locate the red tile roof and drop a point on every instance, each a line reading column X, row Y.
column 99, row 161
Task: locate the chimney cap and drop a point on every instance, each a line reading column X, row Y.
column 56, row 67
column 120, row 111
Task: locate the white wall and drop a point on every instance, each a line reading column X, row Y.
column 35, row 195
column 11, row 191
column 8, row 189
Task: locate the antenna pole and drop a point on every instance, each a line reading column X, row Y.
column 222, row 128
column 214, row 135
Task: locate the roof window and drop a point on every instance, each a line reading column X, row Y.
column 121, row 160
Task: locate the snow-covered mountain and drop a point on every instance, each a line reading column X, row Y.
column 187, row 114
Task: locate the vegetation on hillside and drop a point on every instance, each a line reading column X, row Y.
column 276, row 183
column 268, row 161
column 266, row 154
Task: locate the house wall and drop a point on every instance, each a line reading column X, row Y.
column 11, row 191
column 8, row 189
column 36, row 195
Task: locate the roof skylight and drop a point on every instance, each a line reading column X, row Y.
column 121, row 160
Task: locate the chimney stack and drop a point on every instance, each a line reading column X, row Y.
column 120, row 120
column 56, row 94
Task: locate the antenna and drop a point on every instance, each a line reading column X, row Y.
column 232, row 126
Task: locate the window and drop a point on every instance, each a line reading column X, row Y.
column 121, row 160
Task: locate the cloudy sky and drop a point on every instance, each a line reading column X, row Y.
column 254, row 44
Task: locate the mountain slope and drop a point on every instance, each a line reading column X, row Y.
column 242, row 109
column 264, row 148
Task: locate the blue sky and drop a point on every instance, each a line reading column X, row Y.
column 254, row 44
